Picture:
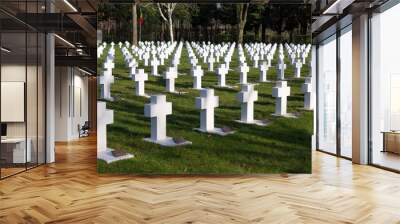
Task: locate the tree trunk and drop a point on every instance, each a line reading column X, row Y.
column 240, row 33
column 242, row 18
column 263, row 35
column 171, row 31
column 162, row 31
column 260, row 29
column 134, row 25
column 109, row 25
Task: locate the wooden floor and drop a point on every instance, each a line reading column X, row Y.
column 70, row 191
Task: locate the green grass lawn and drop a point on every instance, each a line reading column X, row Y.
column 282, row 147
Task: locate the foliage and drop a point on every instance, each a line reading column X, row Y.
column 211, row 22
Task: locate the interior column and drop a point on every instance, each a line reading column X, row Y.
column 50, row 92
column 360, row 90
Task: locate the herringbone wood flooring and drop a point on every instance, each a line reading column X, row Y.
column 70, row 191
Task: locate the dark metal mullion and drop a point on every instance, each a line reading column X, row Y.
column 37, row 91
column 45, row 90
column 317, row 96
column 26, row 86
column 73, row 91
column 45, row 96
column 369, row 90
column 338, row 94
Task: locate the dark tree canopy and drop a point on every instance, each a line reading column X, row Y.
column 209, row 22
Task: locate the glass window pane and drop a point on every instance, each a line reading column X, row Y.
column 31, row 97
column 41, row 98
column 13, row 86
column 327, row 96
column 346, row 92
column 385, row 89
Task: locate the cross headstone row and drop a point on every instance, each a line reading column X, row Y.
column 260, row 55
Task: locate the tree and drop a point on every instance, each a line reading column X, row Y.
column 242, row 19
column 255, row 19
column 168, row 9
column 134, row 24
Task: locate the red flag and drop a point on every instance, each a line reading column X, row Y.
column 141, row 19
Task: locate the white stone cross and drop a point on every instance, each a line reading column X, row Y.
column 105, row 82
column 222, row 71
column 269, row 59
column 217, row 55
column 110, row 55
column 206, row 103
column 281, row 91
column 227, row 60
column 146, row 58
column 298, row 66
column 193, row 61
column 281, row 58
column 293, row 58
column 306, row 88
column 162, row 57
column 140, row 54
column 104, row 118
column 211, row 61
column 205, row 54
column 280, row 71
column 140, row 77
column 109, row 65
column 263, row 71
column 170, row 75
column 242, row 59
column 303, row 57
column 197, row 73
column 244, row 69
column 246, row 97
column 255, row 60
column 175, row 61
column 132, row 65
column 154, row 69
column 157, row 110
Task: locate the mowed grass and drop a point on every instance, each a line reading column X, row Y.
column 282, row 147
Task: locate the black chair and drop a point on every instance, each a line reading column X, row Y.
column 84, row 130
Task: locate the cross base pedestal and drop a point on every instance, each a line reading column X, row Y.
column 178, row 92
column 108, row 98
column 168, row 142
column 216, row 131
column 255, row 122
column 287, row 115
column 306, row 109
column 145, row 95
column 108, row 157
column 225, row 86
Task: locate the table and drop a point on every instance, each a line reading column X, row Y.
column 17, row 148
column 391, row 141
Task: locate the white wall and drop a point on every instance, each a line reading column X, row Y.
column 14, row 73
column 71, row 102
column 33, row 126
